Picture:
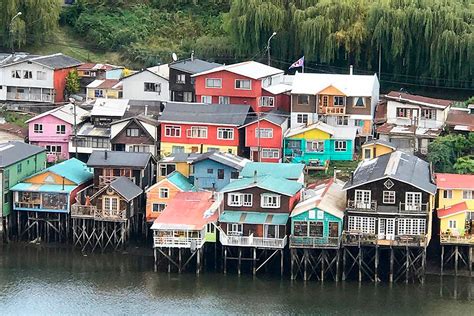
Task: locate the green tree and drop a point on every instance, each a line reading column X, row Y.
column 464, row 165
column 445, row 151
column 72, row 83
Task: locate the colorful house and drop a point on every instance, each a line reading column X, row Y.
column 287, row 171
column 262, row 87
column 319, row 143
column 193, row 127
column 162, row 192
column 184, row 227
column 150, row 84
column 214, row 170
column 180, row 162
column 264, row 136
column 376, row 147
column 136, row 134
column 104, row 88
column 54, row 129
column 17, row 161
column 46, row 198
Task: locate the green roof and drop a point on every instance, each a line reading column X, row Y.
column 57, row 188
column 73, row 170
column 180, row 181
column 281, row 170
column 253, row 218
column 269, row 183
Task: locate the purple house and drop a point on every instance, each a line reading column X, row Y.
column 53, row 129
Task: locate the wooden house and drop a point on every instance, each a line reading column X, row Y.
column 180, row 162
column 150, row 84
column 214, row 170
column 184, row 227
column 460, row 120
column 43, row 201
column 287, row 171
column 255, row 218
column 162, row 192
column 135, row 134
column 376, row 147
column 197, row 127
column 104, row 88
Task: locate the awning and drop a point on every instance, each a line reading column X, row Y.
column 253, row 218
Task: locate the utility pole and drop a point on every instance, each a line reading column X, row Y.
column 268, row 48
column 259, row 151
column 12, row 44
column 73, row 101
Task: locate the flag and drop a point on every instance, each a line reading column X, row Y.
column 298, row 63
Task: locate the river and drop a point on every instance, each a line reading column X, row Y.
column 46, row 281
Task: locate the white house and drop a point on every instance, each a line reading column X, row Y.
column 150, row 84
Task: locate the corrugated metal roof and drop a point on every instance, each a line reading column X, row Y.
column 126, row 188
column 418, row 99
column 72, row 169
column 275, row 117
column 57, row 61
column 253, row 218
column 15, row 151
column 88, row 129
column 250, row 69
column 455, row 181
column 452, row 210
column 223, row 158
column 290, row 171
column 105, row 84
column 64, row 113
column 193, row 66
column 119, row 159
column 269, row 183
column 180, row 157
column 180, row 181
column 31, row 187
column 109, row 107
column 379, row 142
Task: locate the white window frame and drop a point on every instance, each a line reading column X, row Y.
column 413, row 196
column 234, row 199
column 467, row 194
column 175, row 128
column 152, row 87
column 342, row 120
column 40, row 75
column 264, row 133
column 181, row 78
column 363, row 198
column 428, row 114
column 108, row 203
column 206, row 99
column 187, row 96
column 61, row 129
column 235, row 229
column 129, row 133
column 164, row 193
column 197, row 132
column 152, row 207
column 362, row 224
column 411, row 226
column 216, row 83
column 222, row 130
column 302, row 118
column 38, row 128
column 270, row 153
column 447, row 194
column 224, row 99
column 337, row 145
column 266, row 200
column 267, row 101
column 243, row 80
column 452, row 224
column 389, row 197
column 319, row 146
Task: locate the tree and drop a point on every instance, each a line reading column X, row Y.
column 72, row 83
column 447, row 151
column 464, row 165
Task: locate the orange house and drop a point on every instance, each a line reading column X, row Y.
column 162, row 192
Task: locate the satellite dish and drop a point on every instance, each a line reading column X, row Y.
column 175, row 57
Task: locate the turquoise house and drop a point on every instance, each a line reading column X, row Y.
column 317, row 220
column 319, row 143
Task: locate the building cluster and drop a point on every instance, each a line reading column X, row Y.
column 194, row 154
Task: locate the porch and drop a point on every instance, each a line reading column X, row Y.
column 251, row 241
column 352, row 238
column 178, row 239
column 41, row 201
column 314, row 242
column 466, row 239
column 30, row 94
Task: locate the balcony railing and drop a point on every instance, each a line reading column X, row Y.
column 250, row 241
column 90, row 211
column 362, row 206
column 106, row 180
column 413, row 208
column 83, row 210
column 332, row 110
column 451, row 239
column 178, row 242
column 30, row 205
column 314, row 242
column 360, row 238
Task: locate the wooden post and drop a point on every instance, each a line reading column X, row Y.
column 169, row 262
column 254, row 267
column 376, row 275
column 305, row 273
column 198, row 261
column 292, row 253
column 323, row 257
column 281, row 262
column 407, row 261
column 179, row 259
column 470, row 261
column 155, row 255
column 344, row 276
column 225, row 259
column 442, row 259
column 338, row 253
column 240, row 260
column 360, row 263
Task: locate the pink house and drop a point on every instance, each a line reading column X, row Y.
column 53, row 129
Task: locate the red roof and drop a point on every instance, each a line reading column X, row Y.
column 418, row 98
column 188, row 211
column 454, row 181
column 381, row 112
column 453, row 209
column 460, row 117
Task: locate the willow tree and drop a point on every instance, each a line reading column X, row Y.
column 37, row 20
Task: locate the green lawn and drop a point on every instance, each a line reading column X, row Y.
column 345, row 168
column 17, row 118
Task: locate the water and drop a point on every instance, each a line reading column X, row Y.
column 61, row 281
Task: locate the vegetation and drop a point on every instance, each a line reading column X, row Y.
column 15, row 117
column 72, row 83
column 343, row 168
column 453, row 153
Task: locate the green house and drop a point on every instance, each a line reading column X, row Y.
column 17, row 162
column 317, row 220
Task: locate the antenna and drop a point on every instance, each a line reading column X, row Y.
column 175, row 57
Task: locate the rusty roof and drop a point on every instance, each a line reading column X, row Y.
column 406, row 97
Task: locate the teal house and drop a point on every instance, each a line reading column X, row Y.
column 17, row 161
column 281, row 170
column 319, row 143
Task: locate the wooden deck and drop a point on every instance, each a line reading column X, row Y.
column 456, row 240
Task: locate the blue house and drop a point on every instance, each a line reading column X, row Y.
column 214, row 170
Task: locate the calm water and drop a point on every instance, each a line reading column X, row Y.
column 60, row 281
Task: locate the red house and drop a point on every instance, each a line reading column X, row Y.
column 266, row 146
column 191, row 127
column 262, row 87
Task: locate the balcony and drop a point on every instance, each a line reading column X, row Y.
column 361, row 206
column 106, row 180
column 86, row 211
column 250, row 241
column 419, row 208
column 314, row 242
column 332, row 110
column 28, row 205
column 458, row 240
column 353, row 238
column 177, row 242
column 91, row 211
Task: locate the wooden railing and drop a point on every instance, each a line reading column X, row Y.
column 450, row 239
column 360, row 238
column 83, row 210
column 30, row 205
column 362, row 206
column 413, row 208
column 106, row 180
column 332, row 110
column 90, row 211
column 177, row 242
column 314, row 242
column 250, row 241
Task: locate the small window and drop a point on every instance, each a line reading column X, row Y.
column 389, row 197
column 452, row 224
column 303, row 99
column 342, row 120
column 110, row 203
column 206, row 99
column 316, row 229
column 270, row 201
column 220, row 174
column 166, row 169
column 359, row 102
column 404, row 113
column 340, row 145
column 264, row 133
column 6, row 198
column 27, row 74
column 172, row 131
column 468, row 194
column 181, row 78
column 225, row 133
column 210, row 171
column 338, row 101
column 315, row 146
column 164, row 193
column 187, row 97
column 133, row 132
column 19, row 168
column 38, row 128
column 152, row 87
column 197, row 132
column 428, row 114
column 368, row 153
column 158, row 207
column 325, row 100
column 98, row 93
column 41, row 75
column 270, row 153
column 60, row 129
column 448, row 194
column 177, row 149
column 213, row 83
column 224, row 100
column 267, row 101
column 243, row 84
column 302, row 118
column 16, row 74
column 234, row 175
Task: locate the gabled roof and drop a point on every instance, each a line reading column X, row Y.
column 64, row 113
column 15, row 151
column 336, row 132
column 161, row 71
column 140, row 118
column 249, row 69
column 226, row 159
column 215, row 114
column 396, row 165
column 73, row 170
column 180, row 157
column 379, row 142
column 350, row 85
column 109, row 107
column 269, row 183
column 94, row 66
column 193, row 66
column 54, row 61
column 105, row 84
column 454, row 181
column 290, row 171
column 188, row 211
column 119, row 159
column 328, row 197
column 275, row 117
column 126, row 188
column 285, row 85
column 178, row 180
column 452, row 210
column 460, row 119
column 418, row 99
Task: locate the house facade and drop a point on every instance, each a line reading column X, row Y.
column 88, row 72
column 104, row 88
column 187, row 127
column 136, row 134
column 376, row 147
column 150, row 84
column 180, row 162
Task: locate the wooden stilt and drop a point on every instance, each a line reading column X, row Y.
column 338, row 253
column 470, row 261
column 376, row 276
column 360, row 264
column 225, row 259
column 169, row 263
column 240, row 261
column 456, row 257
column 155, row 255
column 254, row 261
column 344, row 276
column 305, row 273
column 198, row 261
column 442, row 259
column 281, row 262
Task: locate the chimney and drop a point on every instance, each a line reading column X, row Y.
column 351, row 70
column 192, row 55
column 146, row 109
column 105, row 154
column 255, row 176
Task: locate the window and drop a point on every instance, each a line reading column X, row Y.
column 303, row 99
column 158, row 207
column 325, row 100
column 16, row 74
column 166, row 169
column 177, row 149
column 206, row 99
column 6, row 198
column 172, row 131
column 225, row 133
column 240, row 199
column 180, row 78
column 213, row 83
column 220, row 174
column 53, row 149
column 270, row 153
column 100, row 142
column 452, row 224
column 19, row 168
column 41, row 75
column 428, row 114
column 152, row 87
column 363, row 199
column 247, row 199
column 404, row 113
column 342, row 120
column 60, row 129
column 6, row 179
column 266, row 101
column 389, row 197
column 315, row 146
column 132, row 132
column 316, row 229
column 98, row 93
column 264, row 133
column 209, row 149
column 110, row 203
column 467, row 194
column 234, row 174
column 27, row 74
column 408, row 226
column 235, row 229
column 197, row 132
column 38, row 128
column 187, row 96
column 139, row 148
column 340, row 145
column 359, row 102
column 413, row 201
column 244, row 84
column 224, row 100
column 293, row 144
column 270, row 201
column 210, row 171
column 362, row 224
column 302, row 118
column 448, row 194
column 164, row 193
column 367, row 153
column 338, row 101
column 358, row 122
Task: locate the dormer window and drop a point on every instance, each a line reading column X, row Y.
column 359, row 102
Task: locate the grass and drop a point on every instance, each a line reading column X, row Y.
column 344, row 171
column 17, row 118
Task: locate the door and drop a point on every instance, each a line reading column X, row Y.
column 382, row 225
column 333, row 229
column 386, row 228
column 255, row 155
column 362, row 199
column 271, row 231
column 413, row 201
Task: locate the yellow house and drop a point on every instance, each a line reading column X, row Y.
column 167, row 148
column 376, row 147
column 456, row 205
column 105, row 88
column 180, row 162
